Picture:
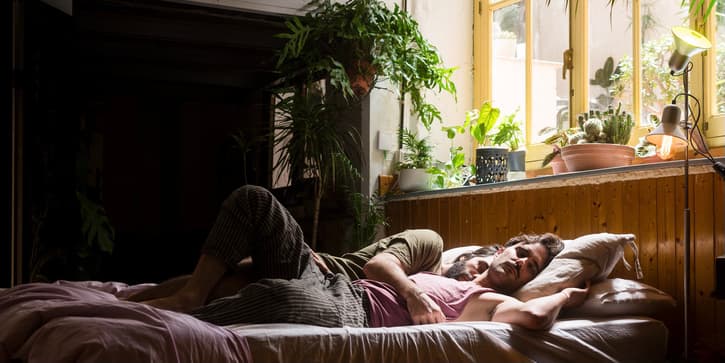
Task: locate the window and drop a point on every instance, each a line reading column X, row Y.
column 620, row 55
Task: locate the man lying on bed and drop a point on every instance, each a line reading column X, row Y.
column 295, row 290
column 388, row 260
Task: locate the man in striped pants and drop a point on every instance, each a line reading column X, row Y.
column 253, row 223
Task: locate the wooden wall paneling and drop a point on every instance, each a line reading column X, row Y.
column 519, row 212
column 666, row 236
column 393, row 213
column 419, row 214
column 647, row 227
column 704, row 253
column 634, row 204
column 561, row 211
column 478, row 222
column 433, row 212
column 497, row 213
column 719, row 232
column 445, row 225
column 583, row 205
column 465, row 219
column 454, row 219
column 536, row 202
column 626, row 220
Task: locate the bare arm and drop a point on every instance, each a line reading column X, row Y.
column 538, row 314
column 387, row 268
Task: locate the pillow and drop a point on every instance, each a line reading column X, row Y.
column 450, row 255
column 622, row 297
column 591, row 257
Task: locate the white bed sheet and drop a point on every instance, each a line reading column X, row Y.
column 625, row 339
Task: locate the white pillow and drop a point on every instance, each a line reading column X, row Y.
column 622, row 297
column 591, row 257
column 450, row 255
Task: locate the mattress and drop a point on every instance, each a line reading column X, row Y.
column 624, row 339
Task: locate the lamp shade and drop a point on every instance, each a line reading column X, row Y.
column 688, row 43
column 670, row 126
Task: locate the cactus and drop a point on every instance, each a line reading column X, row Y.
column 613, row 126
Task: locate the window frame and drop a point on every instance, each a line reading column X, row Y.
column 702, row 78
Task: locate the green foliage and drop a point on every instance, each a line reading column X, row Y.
column 694, row 6
column 453, row 172
column 417, row 152
column 509, row 132
column 312, row 143
column 368, row 216
column 603, row 76
column 334, row 40
column 481, row 122
column 658, row 86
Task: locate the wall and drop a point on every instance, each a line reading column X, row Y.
column 648, row 203
column 448, row 25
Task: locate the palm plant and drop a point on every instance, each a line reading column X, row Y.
column 313, row 144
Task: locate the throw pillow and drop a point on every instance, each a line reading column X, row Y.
column 613, row 297
column 591, row 257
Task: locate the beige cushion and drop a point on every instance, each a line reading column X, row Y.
column 450, row 255
column 591, row 257
column 622, row 297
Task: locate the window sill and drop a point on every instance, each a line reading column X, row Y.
column 589, row 177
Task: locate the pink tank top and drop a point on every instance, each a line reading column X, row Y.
column 388, row 308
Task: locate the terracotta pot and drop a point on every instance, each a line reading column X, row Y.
column 596, row 156
column 558, row 166
column 362, row 77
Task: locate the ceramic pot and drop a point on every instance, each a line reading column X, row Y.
column 596, row 156
column 491, row 164
column 517, row 160
column 558, row 166
column 413, row 180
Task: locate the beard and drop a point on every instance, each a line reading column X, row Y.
column 458, row 271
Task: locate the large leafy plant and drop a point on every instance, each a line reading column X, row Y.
column 339, row 41
column 417, row 151
column 481, row 123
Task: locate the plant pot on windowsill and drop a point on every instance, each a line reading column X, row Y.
column 590, row 156
column 558, row 166
column 414, row 180
column 491, row 164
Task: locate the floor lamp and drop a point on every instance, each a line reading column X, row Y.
column 688, row 43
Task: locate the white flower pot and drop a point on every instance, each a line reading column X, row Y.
column 414, row 180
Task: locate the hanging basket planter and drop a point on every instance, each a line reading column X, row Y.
column 590, row 156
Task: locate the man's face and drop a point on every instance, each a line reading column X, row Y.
column 516, row 265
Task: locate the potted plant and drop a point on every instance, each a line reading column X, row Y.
column 416, row 158
column 331, row 58
column 354, row 43
column 452, row 173
column 510, row 134
column 491, row 161
column 601, row 141
column 558, row 139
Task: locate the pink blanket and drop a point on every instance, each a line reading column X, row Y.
column 86, row 322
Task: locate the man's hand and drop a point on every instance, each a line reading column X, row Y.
column 422, row 309
column 320, row 263
column 576, row 295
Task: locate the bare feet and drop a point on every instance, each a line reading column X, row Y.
column 178, row 302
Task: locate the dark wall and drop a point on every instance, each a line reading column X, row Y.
column 134, row 106
column 5, row 140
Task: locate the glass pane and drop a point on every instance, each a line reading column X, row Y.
column 610, row 44
column 658, row 86
column 550, row 101
column 509, row 56
column 720, row 44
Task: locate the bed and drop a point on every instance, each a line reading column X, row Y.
column 90, row 322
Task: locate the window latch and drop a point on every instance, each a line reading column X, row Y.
column 568, row 62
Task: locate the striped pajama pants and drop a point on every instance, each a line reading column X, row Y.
column 252, row 222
